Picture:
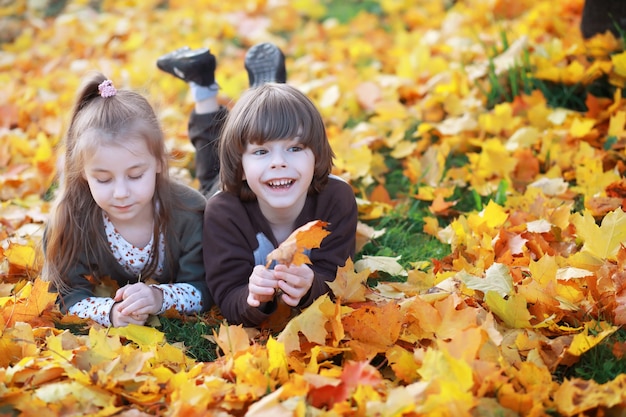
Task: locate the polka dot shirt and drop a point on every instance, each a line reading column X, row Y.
column 183, row 297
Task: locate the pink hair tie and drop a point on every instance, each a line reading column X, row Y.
column 106, row 89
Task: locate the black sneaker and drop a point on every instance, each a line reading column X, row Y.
column 197, row 65
column 265, row 63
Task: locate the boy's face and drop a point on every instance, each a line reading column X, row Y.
column 279, row 173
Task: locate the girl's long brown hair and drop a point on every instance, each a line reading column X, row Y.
column 75, row 229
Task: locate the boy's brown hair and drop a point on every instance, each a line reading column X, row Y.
column 272, row 112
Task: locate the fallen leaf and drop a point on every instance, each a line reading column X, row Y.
column 349, row 286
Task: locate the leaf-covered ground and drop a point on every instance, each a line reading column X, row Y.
column 490, row 126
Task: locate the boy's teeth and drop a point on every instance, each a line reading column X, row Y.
column 279, row 183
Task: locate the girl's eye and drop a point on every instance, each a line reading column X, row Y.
column 135, row 177
column 259, row 152
column 296, row 148
column 100, row 181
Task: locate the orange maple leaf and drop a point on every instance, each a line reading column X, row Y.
column 231, row 339
column 373, row 328
column 291, row 251
column 440, row 206
column 31, row 306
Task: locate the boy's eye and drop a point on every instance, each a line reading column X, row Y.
column 259, row 152
column 296, row 148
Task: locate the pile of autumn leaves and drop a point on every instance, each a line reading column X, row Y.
column 531, row 284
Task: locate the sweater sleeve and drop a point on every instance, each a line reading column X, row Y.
column 96, row 308
column 229, row 243
column 185, row 298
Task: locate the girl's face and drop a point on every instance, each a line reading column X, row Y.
column 122, row 180
column 279, row 173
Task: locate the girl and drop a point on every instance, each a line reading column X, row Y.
column 275, row 162
column 118, row 215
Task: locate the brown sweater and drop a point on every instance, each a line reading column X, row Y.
column 237, row 237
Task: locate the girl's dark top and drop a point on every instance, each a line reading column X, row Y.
column 185, row 244
column 237, row 237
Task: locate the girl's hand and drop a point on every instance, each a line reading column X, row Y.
column 137, row 300
column 118, row 319
column 261, row 286
column 295, row 281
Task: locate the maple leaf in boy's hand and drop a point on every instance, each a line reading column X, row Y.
column 291, row 251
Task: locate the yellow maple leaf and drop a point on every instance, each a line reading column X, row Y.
column 144, row 336
column 581, row 127
column 619, row 63
column 349, row 286
column 544, row 270
column 20, row 255
column 591, row 177
column 454, row 379
column 291, row 251
column 616, row 125
column 311, row 322
column 531, row 387
column 251, row 372
column 76, row 398
column 357, row 162
column 601, row 241
column 493, row 160
column 501, row 118
column 403, row 363
column 512, row 311
column 278, row 366
column 592, row 334
column 570, row 74
column 16, row 342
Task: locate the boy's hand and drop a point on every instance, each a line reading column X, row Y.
column 261, row 286
column 295, row 281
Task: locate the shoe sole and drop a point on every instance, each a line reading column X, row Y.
column 181, row 54
column 263, row 62
column 166, row 62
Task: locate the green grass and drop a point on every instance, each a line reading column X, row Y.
column 598, row 364
column 188, row 330
column 404, row 236
column 519, row 80
column 191, row 332
column 346, row 10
